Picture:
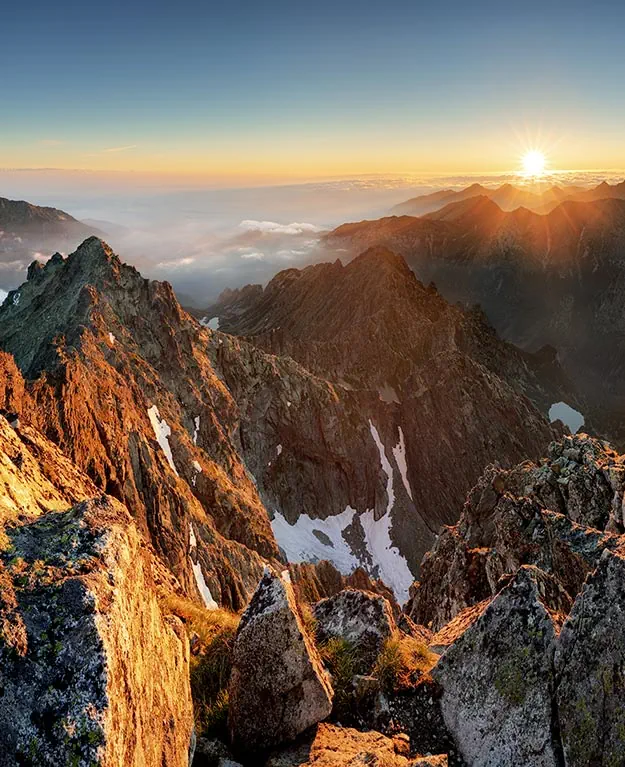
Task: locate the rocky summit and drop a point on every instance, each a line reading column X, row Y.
column 341, row 529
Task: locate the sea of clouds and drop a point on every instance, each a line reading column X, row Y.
column 203, row 240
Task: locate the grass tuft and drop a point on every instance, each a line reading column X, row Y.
column 402, row 661
column 211, row 664
column 339, row 657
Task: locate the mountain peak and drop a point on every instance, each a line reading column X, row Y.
column 380, row 256
column 94, row 252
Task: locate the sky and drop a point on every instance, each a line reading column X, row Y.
column 245, row 93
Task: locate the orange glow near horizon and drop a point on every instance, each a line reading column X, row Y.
column 284, row 157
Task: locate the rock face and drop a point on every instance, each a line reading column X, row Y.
column 589, row 662
column 314, row 582
column 278, row 686
column 554, row 279
column 498, row 677
column 362, row 619
column 332, row 746
column 92, row 673
column 543, row 514
column 528, row 609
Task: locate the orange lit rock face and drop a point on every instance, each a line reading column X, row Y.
column 91, row 666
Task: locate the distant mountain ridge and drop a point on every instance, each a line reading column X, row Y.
column 28, row 231
column 509, row 197
column 23, row 219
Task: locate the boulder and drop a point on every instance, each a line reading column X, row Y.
column 332, row 746
column 590, row 664
column 497, row 678
column 278, row 687
column 210, row 752
column 92, row 673
column 363, row 619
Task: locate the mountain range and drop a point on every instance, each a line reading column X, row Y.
column 351, row 408
column 509, row 197
column 554, row 279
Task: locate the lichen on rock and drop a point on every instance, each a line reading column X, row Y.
column 102, row 676
column 362, row 619
column 498, row 679
column 278, row 686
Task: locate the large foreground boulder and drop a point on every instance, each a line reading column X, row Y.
column 590, row 663
column 278, row 687
column 361, row 618
column 497, row 678
column 332, row 746
column 91, row 671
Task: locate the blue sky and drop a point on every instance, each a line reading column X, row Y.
column 290, row 90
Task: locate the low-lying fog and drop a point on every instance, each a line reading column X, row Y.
column 203, row 240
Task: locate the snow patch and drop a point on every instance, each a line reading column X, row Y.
column 200, row 581
column 209, row 602
column 286, row 576
column 196, row 430
column 300, row 544
column 572, row 418
column 311, row 540
column 112, row 338
column 211, row 323
column 386, row 467
column 399, row 453
column 392, row 566
column 162, row 432
column 198, row 470
column 279, row 449
column 16, row 299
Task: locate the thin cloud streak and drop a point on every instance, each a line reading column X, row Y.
column 121, row 148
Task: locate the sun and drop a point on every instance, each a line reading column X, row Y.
column 534, row 163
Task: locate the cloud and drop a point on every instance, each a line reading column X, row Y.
column 50, row 142
column 121, row 148
column 254, row 256
column 175, row 263
column 272, row 227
